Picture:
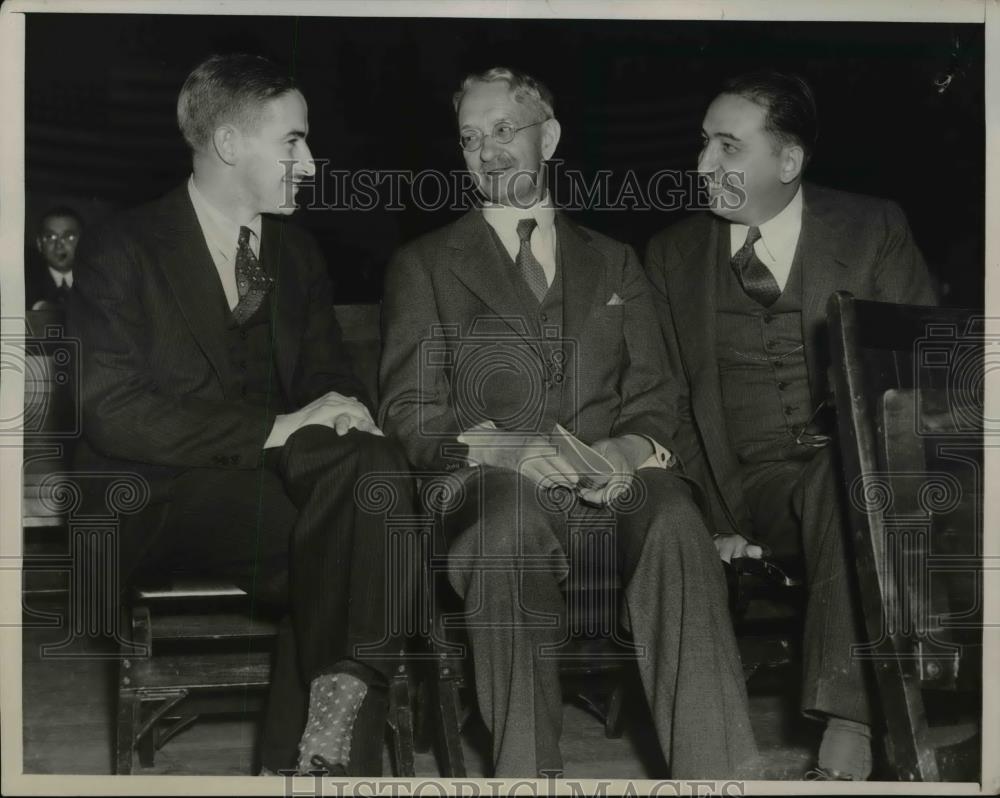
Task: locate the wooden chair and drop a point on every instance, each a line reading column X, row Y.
column 908, row 383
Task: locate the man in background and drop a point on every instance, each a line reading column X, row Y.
column 46, row 285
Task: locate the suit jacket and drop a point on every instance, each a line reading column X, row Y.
column 847, row 242
column 451, row 305
column 39, row 285
column 158, row 394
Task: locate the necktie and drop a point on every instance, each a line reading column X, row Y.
column 531, row 270
column 251, row 282
column 756, row 279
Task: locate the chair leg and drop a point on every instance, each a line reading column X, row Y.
column 145, row 746
column 401, row 725
column 126, row 727
column 614, row 722
column 447, row 725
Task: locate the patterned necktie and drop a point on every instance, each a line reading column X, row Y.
column 531, row 269
column 756, row 279
column 251, row 282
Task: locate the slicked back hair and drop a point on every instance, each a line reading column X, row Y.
column 789, row 103
column 228, row 89
column 526, row 89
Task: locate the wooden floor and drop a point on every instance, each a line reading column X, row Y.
column 68, row 705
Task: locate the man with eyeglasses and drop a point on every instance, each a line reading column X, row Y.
column 742, row 295
column 46, row 285
column 497, row 328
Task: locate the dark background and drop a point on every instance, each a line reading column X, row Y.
column 101, row 130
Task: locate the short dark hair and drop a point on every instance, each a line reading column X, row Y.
column 228, row 88
column 789, row 102
column 60, row 211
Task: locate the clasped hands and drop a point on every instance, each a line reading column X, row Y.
column 342, row 413
column 535, row 457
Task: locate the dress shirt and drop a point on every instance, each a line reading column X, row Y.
column 504, row 218
column 779, row 236
column 59, row 278
column 222, row 235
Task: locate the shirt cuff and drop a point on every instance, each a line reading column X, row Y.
column 660, row 458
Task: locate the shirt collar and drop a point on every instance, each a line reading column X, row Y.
column 221, row 232
column 780, row 233
column 59, row 277
column 505, row 217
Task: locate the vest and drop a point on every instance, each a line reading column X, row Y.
column 251, row 359
column 762, row 367
column 545, row 381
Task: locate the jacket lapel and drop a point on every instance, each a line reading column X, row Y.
column 583, row 273
column 825, row 264
column 193, row 278
column 694, row 283
column 476, row 264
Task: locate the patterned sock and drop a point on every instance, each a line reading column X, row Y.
column 846, row 748
column 334, row 701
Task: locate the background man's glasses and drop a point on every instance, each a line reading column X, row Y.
column 66, row 238
column 502, row 133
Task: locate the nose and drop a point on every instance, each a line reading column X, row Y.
column 489, row 149
column 306, row 165
column 708, row 158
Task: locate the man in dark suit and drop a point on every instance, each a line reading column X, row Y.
column 214, row 367
column 496, row 328
column 742, row 296
column 47, row 284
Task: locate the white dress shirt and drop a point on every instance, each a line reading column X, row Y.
column 779, row 236
column 504, row 218
column 222, row 235
column 59, row 278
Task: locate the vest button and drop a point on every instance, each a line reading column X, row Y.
column 790, row 409
column 782, row 386
column 558, row 377
column 548, row 385
column 768, row 318
column 243, row 334
column 545, row 317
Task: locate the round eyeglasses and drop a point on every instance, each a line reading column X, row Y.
column 502, row 133
column 66, row 238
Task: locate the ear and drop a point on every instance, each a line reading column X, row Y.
column 551, row 131
column 226, row 141
column 38, row 243
column 792, row 160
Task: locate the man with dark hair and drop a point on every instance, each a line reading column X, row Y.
column 213, row 366
column 742, row 295
column 543, row 323
column 47, row 285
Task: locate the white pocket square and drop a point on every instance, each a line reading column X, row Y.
column 616, row 300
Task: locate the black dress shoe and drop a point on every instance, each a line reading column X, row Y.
column 368, row 734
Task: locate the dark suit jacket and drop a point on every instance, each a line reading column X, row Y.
column 449, row 298
column 39, row 285
column 158, row 394
column 848, row 242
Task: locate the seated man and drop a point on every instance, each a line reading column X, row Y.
column 545, row 322
column 214, row 367
column 47, row 284
column 742, row 295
